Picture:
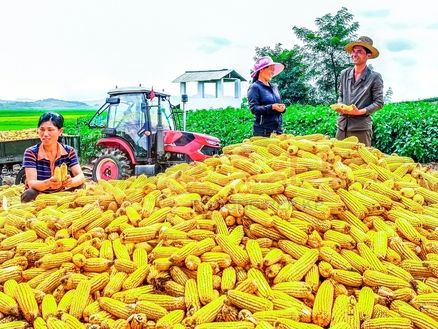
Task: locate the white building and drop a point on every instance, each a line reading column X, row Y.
column 213, row 88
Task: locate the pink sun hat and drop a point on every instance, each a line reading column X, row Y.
column 264, row 62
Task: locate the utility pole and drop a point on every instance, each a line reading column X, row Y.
column 184, row 100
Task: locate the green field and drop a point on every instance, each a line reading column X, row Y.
column 28, row 118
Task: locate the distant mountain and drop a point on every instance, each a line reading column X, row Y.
column 48, row 103
column 95, row 102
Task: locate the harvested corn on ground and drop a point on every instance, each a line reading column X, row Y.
column 6, row 136
column 288, row 232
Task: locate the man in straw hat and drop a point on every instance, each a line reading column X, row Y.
column 264, row 99
column 363, row 89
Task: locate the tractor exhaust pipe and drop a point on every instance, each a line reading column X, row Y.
column 160, row 129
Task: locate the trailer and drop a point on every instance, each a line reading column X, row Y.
column 11, row 157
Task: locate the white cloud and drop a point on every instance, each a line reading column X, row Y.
column 80, row 49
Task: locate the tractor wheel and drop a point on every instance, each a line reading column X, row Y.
column 111, row 164
column 20, row 178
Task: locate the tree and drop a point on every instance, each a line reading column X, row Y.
column 388, row 95
column 292, row 82
column 324, row 52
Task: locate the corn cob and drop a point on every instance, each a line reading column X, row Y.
column 39, row 323
column 419, row 319
column 370, row 257
column 226, row 325
column 136, row 278
column 338, row 311
column 365, row 304
column 65, row 301
column 367, row 155
column 254, row 253
column 205, row 283
column 87, row 215
column 248, row 285
column 322, row 307
column 229, row 278
column 132, row 295
column 150, row 309
column 401, row 248
column 408, row 231
column 71, row 321
column 344, row 240
column 297, row 289
column 48, row 307
column 54, row 260
column 14, row 240
column 80, row 298
column 312, row 208
column 387, row 322
column 374, row 278
column 116, row 307
column 357, row 262
column 27, row 302
column 334, row 258
column 220, row 258
column 8, row 305
column 237, row 254
column 259, row 216
column 297, row 270
column 348, row 278
column 261, row 231
column 250, row 302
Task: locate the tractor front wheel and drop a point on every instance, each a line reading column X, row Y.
column 111, row 163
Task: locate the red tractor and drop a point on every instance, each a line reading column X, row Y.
column 140, row 136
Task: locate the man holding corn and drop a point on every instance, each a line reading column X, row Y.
column 363, row 89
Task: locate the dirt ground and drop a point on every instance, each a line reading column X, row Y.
column 433, row 165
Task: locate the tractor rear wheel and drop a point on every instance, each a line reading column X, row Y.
column 20, row 178
column 111, row 163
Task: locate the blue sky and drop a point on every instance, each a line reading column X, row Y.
column 77, row 50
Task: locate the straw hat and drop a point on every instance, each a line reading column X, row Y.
column 365, row 42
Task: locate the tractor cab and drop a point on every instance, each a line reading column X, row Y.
column 140, row 136
column 131, row 114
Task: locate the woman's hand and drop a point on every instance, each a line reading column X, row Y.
column 54, row 184
column 278, row 107
column 67, row 183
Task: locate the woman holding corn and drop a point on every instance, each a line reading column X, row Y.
column 42, row 160
column 264, row 98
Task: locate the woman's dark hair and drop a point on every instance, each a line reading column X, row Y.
column 57, row 119
column 256, row 77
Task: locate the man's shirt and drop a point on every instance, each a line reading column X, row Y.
column 365, row 93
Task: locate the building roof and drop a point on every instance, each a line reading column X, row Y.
column 209, row 75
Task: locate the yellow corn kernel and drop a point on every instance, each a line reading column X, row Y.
column 348, row 278
column 8, row 305
column 115, row 307
column 419, row 319
column 375, row 278
column 48, row 306
column 71, row 321
column 338, row 311
column 229, row 277
column 387, row 322
column 26, row 300
column 80, row 298
column 152, row 310
column 238, row 255
column 365, row 303
column 136, row 278
column 248, row 301
column 322, row 306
